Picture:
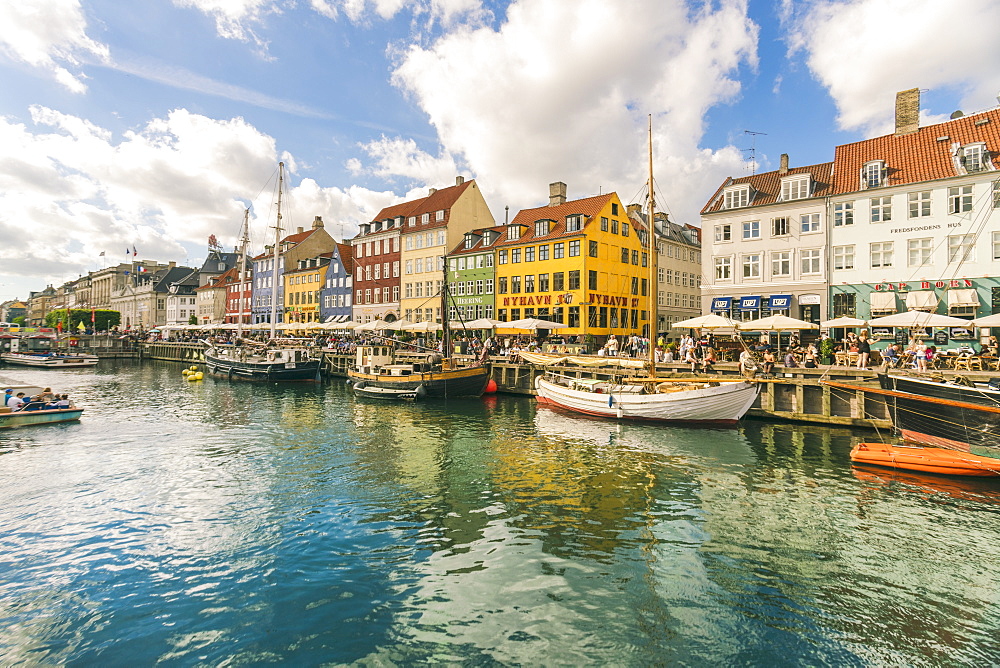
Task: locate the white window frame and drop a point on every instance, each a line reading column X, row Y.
column 880, row 254
column 843, row 214
column 751, row 266
column 919, row 252
column 996, row 245
column 963, row 245
column 797, row 187
column 751, row 229
column 973, row 158
column 734, row 198
column 843, row 257
column 781, row 263
column 873, row 174
column 724, row 233
column 780, row 227
column 811, row 261
column 919, row 204
column 809, row 223
column 724, row 268
column 881, row 209
column 960, row 199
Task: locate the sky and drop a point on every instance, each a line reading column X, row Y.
column 149, row 126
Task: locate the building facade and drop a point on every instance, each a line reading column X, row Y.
column 472, row 275
column 302, row 289
column 337, row 294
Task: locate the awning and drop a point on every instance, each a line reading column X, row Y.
column 781, row 302
column 722, row 303
column 749, row 303
column 337, row 318
column 966, row 297
column 921, row 300
column 882, row 301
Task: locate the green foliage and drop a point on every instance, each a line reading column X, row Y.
column 19, row 321
column 103, row 319
column 193, row 320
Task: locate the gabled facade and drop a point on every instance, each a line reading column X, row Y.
column 302, row 288
column 212, row 299
column 765, row 244
column 337, row 291
column 917, row 218
column 472, row 275
column 237, row 294
column 582, row 263
column 269, row 276
column 376, row 250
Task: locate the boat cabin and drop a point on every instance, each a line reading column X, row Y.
column 38, row 345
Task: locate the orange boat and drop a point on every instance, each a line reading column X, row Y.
column 928, row 460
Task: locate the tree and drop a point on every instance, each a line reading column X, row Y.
column 103, row 319
column 193, row 320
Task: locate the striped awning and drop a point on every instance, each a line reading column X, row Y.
column 337, row 318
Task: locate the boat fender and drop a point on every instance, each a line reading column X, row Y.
column 433, row 358
column 611, row 401
column 491, row 387
column 421, row 391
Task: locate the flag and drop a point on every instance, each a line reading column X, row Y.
column 101, row 255
column 134, row 251
column 141, row 268
column 127, row 251
column 93, row 315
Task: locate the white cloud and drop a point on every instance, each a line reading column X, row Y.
column 561, row 91
column 402, row 157
column 49, row 35
column 69, row 189
column 235, row 19
column 864, row 51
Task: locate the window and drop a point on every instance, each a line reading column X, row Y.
column 513, row 232
column 919, row 204
column 529, row 254
column 541, row 228
column 781, row 263
column 996, row 194
column 751, row 266
column 543, row 253
column 574, row 223
column 624, row 256
column 529, row 283
column 574, row 248
column 558, row 281
column 543, row 282
column 810, row 261
column 558, row 250
column 614, row 227
column 624, row 229
column 996, row 245
column 779, row 227
column 604, row 223
column 973, row 158
column 411, row 221
column 810, row 222
column 488, row 289
column 751, row 229
column 502, row 285
column 515, row 284
column 881, row 254
column 843, row 257
column 843, row 304
column 502, row 256
column 425, row 218
column 961, row 247
column 592, row 280
column 592, row 248
column 873, row 174
column 797, row 188
column 737, row 197
column 439, row 215
column 574, row 279
column 724, row 232
column 635, row 257
column 881, row 209
column 918, row 252
column 960, row 199
column 723, row 268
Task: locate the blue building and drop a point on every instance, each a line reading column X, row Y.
column 335, row 295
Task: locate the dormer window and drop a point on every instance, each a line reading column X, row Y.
column 425, row 218
column 469, row 241
column 795, row 188
column 439, row 216
column 488, row 238
column 734, row 198
column 873, row 174
column 973, row 158
column 513, row 232
column 542, row 227
column 412, row 221
column 574, row 223
column 399, row 220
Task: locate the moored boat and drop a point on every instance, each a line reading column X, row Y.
column 941, row 461
column 49, row 360
column 10, row 419
column 377, row 374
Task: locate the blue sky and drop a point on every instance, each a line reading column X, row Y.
column 153, row 124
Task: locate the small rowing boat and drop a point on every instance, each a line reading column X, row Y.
column 928, row 460
column 45, row 416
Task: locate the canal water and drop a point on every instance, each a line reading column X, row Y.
column 212, row 523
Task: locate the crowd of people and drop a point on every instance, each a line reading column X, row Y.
column 44, row 400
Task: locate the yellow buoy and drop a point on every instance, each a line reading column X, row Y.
column 194, row 368
column 199, row 376
column 185, row 372
column 192, row 376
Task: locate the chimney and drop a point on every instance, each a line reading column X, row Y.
column 432, row 191
column 907, row 111
column 459, row 180
column 557, row 193
column 783, row 169
column 171, row 265
column 634, row 210
column 299, row 230
column 318, row 222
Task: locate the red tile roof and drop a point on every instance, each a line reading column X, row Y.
column 442, row 199
column 478, row 247
column 924, row 155
column 346, row 253
column 766, row 187
column 588, row 206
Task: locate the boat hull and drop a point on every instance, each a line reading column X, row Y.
column 442, row 384
column 32, row 418
column 941, row 461
column 945, row 415
column 50, row 361
column 262, row 371
column 724, row 403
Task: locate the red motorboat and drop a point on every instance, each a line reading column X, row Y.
column 927, row 460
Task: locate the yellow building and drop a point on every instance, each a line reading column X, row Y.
column 302, row 286
column 582, row 263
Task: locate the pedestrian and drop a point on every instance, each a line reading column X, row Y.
column 864, row 349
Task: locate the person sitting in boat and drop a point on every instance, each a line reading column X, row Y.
column 7, row 396
column 33, row 404
column 14, row 403
column 61, row 402
column 47, row 396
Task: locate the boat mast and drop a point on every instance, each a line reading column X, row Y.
column 243, row 271
column 274, row 254
column 651, row 246
column 445, row 338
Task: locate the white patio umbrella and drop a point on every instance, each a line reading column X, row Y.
column 988, row 321
column 288, row 326
column 350, row 324
column 710, row 321
column 918, row 319
column 532, row 324
column 774, row 323
column 485, row 323
column 844, row 321
column 423, row 326
column 376, row 325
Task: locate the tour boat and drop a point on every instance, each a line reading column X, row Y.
column 49, row 360
column 278, row 359
column 46, row 416
column 714, row 401
column 927, row 460
column 377, row 374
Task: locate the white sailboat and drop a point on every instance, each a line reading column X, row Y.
column 278, row 359
column 716, row 401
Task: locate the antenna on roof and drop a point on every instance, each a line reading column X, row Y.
column 752, row 151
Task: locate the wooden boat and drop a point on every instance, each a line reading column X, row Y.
column 279, row 359
column 50, row 360
column 941, row 461
column 377, row 374
column 714, row 401
column 10, row 419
